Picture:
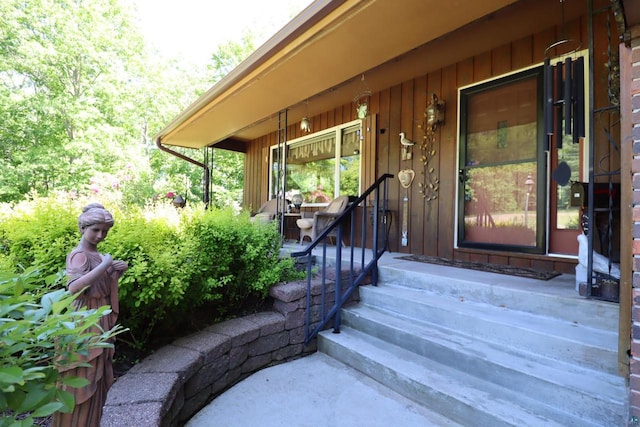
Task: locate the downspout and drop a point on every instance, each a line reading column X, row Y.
column 207, row 178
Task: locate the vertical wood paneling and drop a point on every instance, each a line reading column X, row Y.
column 541, row 41
column 407, row 125
column 368, row 157
column 465, row 72
column 263, row 174
column 324, row 118
column 393, row 156
column 448, row 172
column 601, row 100
column 400, row 108
column 331, row 119
column 501, row 60
column 482, row 67
column 418, row 224
column 521, row 53
column 382, row 158
column 432, row 208
column 346, row 113
column 374, row 108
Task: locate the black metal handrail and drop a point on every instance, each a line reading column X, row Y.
column 378, row 192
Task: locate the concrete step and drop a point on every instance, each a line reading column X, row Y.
column 461, row 397
column 517, row 293
column 561, row 391
column 554, row 338
column 486, row 349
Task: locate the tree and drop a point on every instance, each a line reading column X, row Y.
column 66, row 67
column 230, row 54
column 81, row 97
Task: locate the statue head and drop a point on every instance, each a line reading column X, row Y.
column 94, row 213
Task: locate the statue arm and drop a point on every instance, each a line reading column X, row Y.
column 78, row 261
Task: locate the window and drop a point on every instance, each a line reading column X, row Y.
column 320, row 166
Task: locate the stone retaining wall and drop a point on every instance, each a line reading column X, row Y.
column 171, row 385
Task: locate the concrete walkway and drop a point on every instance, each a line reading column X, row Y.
column 314, row 391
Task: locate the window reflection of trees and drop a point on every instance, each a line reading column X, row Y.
column 567, row 215
column 311, row 165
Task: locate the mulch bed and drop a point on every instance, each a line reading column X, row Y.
column 491, row 268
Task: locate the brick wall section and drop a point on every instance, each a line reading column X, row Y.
column 634, row 367
column 174, row 383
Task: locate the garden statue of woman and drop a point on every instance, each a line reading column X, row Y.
column 95, row 276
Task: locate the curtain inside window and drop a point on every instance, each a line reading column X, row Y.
column 319, row 148
column 350, row 141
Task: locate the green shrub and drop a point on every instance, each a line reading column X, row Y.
column 35, row 323
column 179, row 260
column 39, row 232
column 232, row 260
column 153, row 286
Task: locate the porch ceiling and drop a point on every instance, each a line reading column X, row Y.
column 313, row 58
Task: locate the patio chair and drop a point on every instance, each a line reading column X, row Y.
column 312, row 227
column 268, row 210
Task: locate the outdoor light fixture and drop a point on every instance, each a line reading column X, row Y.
column 361, row 100
column 305, row 123
column 528, row 185
column 179, row 201
column 297, row 200
column 434, row 113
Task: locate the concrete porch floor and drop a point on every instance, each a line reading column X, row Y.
column 562, row 285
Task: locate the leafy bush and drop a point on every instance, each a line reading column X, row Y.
column 153, row 286
column 232, row 259
column 36, row 322
column 178, row 260
column 39, row 232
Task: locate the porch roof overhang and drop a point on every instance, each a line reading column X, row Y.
column 316, row 62
column 314, row 58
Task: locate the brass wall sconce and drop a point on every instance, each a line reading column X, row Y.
column 434, row 114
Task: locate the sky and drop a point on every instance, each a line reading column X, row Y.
column 192, row 29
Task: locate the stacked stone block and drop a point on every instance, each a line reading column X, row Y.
column 171, row 385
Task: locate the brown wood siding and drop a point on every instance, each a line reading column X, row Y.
column 401, row 108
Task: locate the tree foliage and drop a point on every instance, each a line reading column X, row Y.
column 63, row 65
column 230, row 54
column 81, row 96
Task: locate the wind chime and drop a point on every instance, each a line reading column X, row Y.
column 564, row 100
column 563, row 94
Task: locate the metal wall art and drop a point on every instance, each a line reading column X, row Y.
column 433, row 116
